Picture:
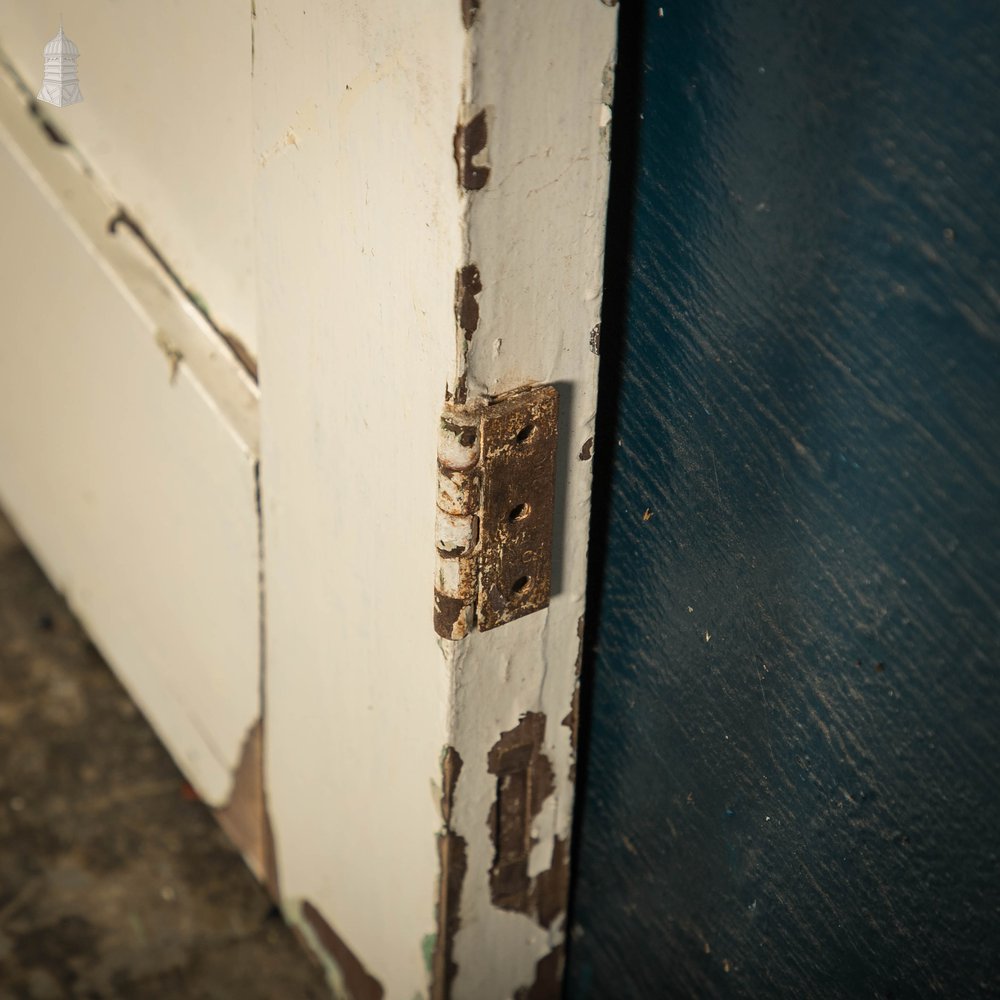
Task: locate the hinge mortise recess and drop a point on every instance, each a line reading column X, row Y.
column 495, row 504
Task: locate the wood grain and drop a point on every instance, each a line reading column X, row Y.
column 792, row 783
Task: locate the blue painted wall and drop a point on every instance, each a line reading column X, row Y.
column 792, row 780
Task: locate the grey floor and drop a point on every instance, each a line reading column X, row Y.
column 114, row 881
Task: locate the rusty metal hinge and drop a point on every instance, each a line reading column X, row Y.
column 496, row 495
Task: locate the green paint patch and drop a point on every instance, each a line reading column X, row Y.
column 428, row 944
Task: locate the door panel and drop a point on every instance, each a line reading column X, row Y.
column 436, row 241
column 127, row 456
column 166, row 124
column 791, row 786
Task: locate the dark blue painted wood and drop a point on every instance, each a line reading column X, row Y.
column 792, row 785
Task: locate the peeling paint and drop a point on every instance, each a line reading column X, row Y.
column 607, row 98
column 544, row 312
column 359, row 982
column 244, row 816
column 470, row 141
column 524, row 781
column 457, row 523
column 548, row 977
column 451, row 768
column 595, row 340
column 468, row 285
column 450, row 616
column 453, row 856
column 587, row 451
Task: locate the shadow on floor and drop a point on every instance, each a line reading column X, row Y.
column 114, row 883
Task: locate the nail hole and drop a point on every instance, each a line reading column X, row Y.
column 524, row 433
column 521, row 510
column 520, row 585
column 467, row 439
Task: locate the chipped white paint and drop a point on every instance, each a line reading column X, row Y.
column 127, row 454
column 361, row 230
column 536, row 233
column 166, row 125
column 358, row 240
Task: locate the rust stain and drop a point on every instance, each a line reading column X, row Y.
column 360, row 983
column 524, row 781
column 458, row 503
column 454, row 865
column 495, row 503
column 449, row 616
column 466, row 436
column 469, row 10
column 548, row 977
column 468, row 285
column 458, row 487
column 470, row 141
column 519, row 443
column 587, row 451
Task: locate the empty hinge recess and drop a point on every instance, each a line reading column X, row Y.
column 496, row 495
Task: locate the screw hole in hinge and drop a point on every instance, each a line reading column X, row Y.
column 520, row 585
column 525, row 433
column 519, row 512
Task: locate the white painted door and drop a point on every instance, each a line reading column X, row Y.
column 414, row 194
column 128, row 445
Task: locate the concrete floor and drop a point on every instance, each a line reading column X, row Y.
column 114, row 883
